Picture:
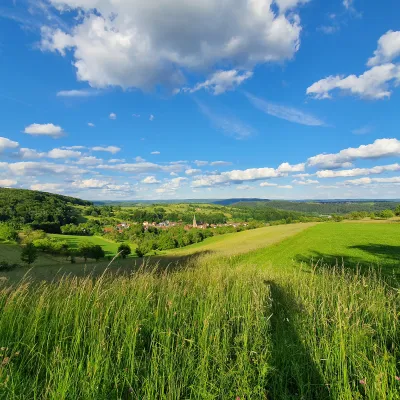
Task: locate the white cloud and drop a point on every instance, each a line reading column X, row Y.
column 90, row 184
column 33, row 168
column 26, row 153
column 172, row 185
column 236, row 176
column 283, row 112
column 244, row 187
column 131, row 43
column 151, row 118
column 141, row 167
column 91, row 124
column 358, row 171
column 51, row 130
column 286, row 167
column 89, row 160
column 109, row 149
column 7, row 182
column 348, row 4
column 285, row 187
column 267, row 184
column 48, row 187
column 6, row 144
column 375, row 83
column 305, row 182
column 113, row 116
column 219, row 163
column 77, row 93
column 368, row 181
column 388, row 49
column 380, row 148
column 192, row 171
column 136, row 115
column 139, row 159
column 150, row 180
column 61, row 153
column 221, row 82
column 155, row 152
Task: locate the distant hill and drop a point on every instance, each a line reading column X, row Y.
column 41, row 210
column 321, row 207
column 228, row 202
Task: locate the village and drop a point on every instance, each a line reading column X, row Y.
column 170, row 224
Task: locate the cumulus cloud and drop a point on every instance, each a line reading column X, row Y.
column 236, row 176
column 141, row 167
column 91, row 124
column 7, row 144
column 109, row 149
column 155, row 152
column 286, row 167
column 131, row 43
column 112, row 116
column 51, row 130
column 89, row 160
column 172, row 185
column 48, row 187
column 90, row 184
column 375, row 83
column 380, row 148
column 34, row 168
column 150, row 180
column 283, row 112
column 192, row 171
column 368, row 181
column 357, row 171
column 388, row 49
column 200, row 163
column 221, row 82
column 30, row 154
column 7, row 182
column 62, row 153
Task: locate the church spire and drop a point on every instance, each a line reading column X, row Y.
column 194, row 221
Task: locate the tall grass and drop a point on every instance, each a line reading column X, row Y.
column 217, row 330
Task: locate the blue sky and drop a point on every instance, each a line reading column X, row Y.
column 285, row 99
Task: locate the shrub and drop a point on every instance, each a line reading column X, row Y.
column 29, row 253
column 8, row 233
column 386, row 214
column 5, row 266
column 124, row 250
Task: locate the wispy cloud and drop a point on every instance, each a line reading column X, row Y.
column 228, row 124
column 78, row 93
column 283, row 112
column 363, row 130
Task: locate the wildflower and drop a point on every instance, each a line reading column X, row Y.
column 363, row 382
column 237, row 398
column 397, row 378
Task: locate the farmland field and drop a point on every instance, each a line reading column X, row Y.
column 254, row 325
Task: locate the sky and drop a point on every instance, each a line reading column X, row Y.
column 188, row 99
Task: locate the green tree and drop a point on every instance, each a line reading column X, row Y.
column 29, row 253
column 386, row 214
column 397, row 210
column 8, row 233
column 124, row 250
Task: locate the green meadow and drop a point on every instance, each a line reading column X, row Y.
column 299, row 312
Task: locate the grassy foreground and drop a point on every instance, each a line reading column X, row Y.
column 220, row 329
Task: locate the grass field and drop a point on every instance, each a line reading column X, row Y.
column 251, row 326
column 351, row 244
column 109, row 247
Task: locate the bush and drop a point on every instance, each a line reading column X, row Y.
column 5, row 266
column 124, row 250
column 29, row 253
column 8, row 233
column 386, row 214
